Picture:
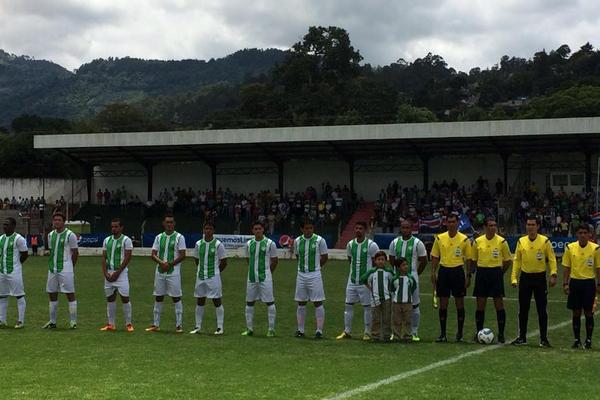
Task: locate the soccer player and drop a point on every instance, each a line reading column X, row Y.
column 360, row 252
column 211, row 259
column 262, row 261
column 61, row 277
column 379, row 282
column 533, row 256
column 491, row 257
column 116, row 254
column 168, row 251
column 451, row 250
column 413, row 250
column 404, row 285
column 311, row 252
column 581, row 263
column 13, row 253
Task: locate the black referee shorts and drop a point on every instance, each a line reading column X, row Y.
column 451, row 281
column 489, row 282
column 581, row 294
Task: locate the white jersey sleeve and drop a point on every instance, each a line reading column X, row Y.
column 21, row 244
column 247, row 249
column 322, row 247
column 349, row 249
column 421, row 250
column 392, row 248
column 156, row 244
column 296, row 245
column 373, row 249
column 221, row 254
column 181, row 242
column 195, row 251
column 104, row 243
column 272, row 250
column 72, row 241
column 128, row 243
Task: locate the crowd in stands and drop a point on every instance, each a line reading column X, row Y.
column 34, row 207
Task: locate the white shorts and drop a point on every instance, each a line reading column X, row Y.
column 357, row 293
column 309, row 287
column 416, row 299
column 121, row 285
column 60, row 282
column 11, row 285
column 262, row 291
column 210, row 288
column 167, row 285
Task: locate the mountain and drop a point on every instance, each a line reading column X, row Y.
column 44, row 88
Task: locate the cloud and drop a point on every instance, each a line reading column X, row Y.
column 466, row 33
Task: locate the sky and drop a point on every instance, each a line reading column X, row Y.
column 467, row 33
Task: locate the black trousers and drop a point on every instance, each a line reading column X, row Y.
column 533, row 284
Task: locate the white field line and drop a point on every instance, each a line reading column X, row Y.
column 441, row 363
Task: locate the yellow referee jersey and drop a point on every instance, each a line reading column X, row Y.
column 583, row 261
column 533, row 256
column 452, row 251
column 490, row 253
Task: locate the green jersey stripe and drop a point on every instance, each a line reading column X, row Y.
column 380, row 285
column 252, row 261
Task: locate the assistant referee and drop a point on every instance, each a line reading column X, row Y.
column 533, row 256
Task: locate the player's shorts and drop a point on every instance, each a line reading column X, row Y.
column 167, row 285
column 451, row 281
column 121, row 285
column 210, row 288
column 581, row 294
column 60, row 282
column 357, row 293
column 489, row 282
column 12, row 285
column 309, row 287
column 262, row 291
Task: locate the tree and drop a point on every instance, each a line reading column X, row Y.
column 407, row 113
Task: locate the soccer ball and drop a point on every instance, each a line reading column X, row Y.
column 485, row 336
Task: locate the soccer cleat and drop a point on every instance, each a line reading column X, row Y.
column 366, row 337
column 587, row 344
column 415, row 338
column 219, row 332
column 19, row 325
column 108, row 327
column 72, row 325
column 270, row 333
column 153, row 328
column 49, row 325
column 129, row 328
column 476, row 339
column 195, row 331
column 318, row 335
column 299, row 334
column 248, row 332
column 459, row 338
column 178, row 329
column 343, row 335
column 519, row 342
column 441, row 339
column 501, row 339
column 576, row 344
column 545, row 343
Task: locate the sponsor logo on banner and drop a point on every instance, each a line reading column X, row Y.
column 233, row 241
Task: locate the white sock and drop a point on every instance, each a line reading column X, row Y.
column 348, row 315
column 320, row 317
column 111, row 311
column 53, row 309
column 414, row 321
column 301, row 317
column 73, row 310
column 21, row 305
column 250, row 317
column 272, row 313
column 199, row 316
column 220, row 311
column 157, row 310
column 178, row 313
column 127, row 312
column 367, row 318
column 3, row 309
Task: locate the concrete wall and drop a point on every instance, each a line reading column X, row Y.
column 51, row 189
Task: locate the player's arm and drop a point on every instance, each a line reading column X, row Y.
column 123, row 265
column 421, row 257
column 467, row 261
column 222, row 257
column 180, row 253
column 74, row 248
column 551, row 262
column 516, row 266
column 435, row 262
column 506, row 257
column 597, row 263
column 104, row 269
column 23, row 249
column 274, row 260
column 154, row 255
column 323, row 252
column 392, row 254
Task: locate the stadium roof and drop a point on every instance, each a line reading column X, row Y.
column 354, row 142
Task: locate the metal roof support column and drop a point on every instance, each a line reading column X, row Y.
column 280, row 178
column 89, row 176
column 505, row 157
column 150, row 178
column 213, row 176
column 425, row 160
column 351, row 174
column 588, row 171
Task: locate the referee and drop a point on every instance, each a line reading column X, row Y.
column 491, row 258
column 581, row 264
column 533, row 256
column 450, row 252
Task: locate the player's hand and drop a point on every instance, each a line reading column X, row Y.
column 114, row 276
column 165, row 266
column 597, row 289
column 514, row 284
column 566, row 289
column 433, row 280
column 553, row 281
column 467, row 282
column 107, row 276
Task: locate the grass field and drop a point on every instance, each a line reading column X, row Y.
column 90, row 364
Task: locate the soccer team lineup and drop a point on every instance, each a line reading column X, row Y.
column 384, row 285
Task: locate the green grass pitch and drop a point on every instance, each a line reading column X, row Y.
column 90, row 364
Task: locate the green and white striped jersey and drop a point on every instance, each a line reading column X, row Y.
column 209, row 255
column 60, row 245
column 115, row 251
column 10, row 253
column 309, row 252
column 404, row 287
column 259, row 255
column 167, row 248
column 380, row 282
column 361, row 257
column 410, row 249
